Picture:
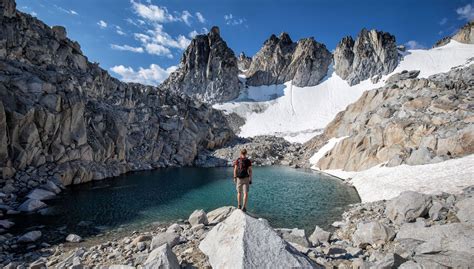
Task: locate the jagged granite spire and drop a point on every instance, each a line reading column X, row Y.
column 464, row 35
column 280, row 59
column 208, row 70
column 372, row 53
column 243, row 62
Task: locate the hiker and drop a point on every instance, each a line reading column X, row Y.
column 242, row 178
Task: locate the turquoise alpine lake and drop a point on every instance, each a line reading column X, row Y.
column 286, row 197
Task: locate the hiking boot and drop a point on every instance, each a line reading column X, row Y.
column 244, row 209
column 239, row 207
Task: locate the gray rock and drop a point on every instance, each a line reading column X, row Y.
column 170, row 239
column 464, row 35
column 372, row 233
column 6, row 224
column 121, row 266
column 296, row 236
column 30, row 237
column 420, row 156
column 174, row 228
column 7, row 8
column 198, row 217
column 407, row 207
column 450, row 244
column 162, row 257
column 220, row 214
column 73, row 238
column 319, row 236
column 305, row 63
column 50, row 186
column 465, row 211
column 31, row 205
column 438, row 211
column 371, row 54
column 403, row 75
column 40, row 194
column 237, row 243
column 208, row 70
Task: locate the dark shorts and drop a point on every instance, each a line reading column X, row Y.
column 243, row 184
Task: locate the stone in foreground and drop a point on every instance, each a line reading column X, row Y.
column 170, row 239
column 73, row 238
column 372, row 233
column 407, row 207
column 245, row 242
column 219, row 214
column 40, row 194
column 31, row 205
column 319, row 236
column 198, row 217
column 30, row 237
column 162, row 257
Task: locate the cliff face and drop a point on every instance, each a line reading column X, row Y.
column 208, row 70
column 280, row 59
column 373, row 53
column 464, row 35
column 64, row 118
column 409, row 121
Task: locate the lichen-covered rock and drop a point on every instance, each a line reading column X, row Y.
column 280, row 59
column 372, row 233
column 372, row 53
column 162, row 257
column 198, row 217
column 208, row 70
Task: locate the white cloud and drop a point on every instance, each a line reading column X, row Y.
column 34, row 14
column 200, row 17
column 68, row 11
column 159, row 37
column 186, row 17
column 443, row 21
column 127, row 48
column 152, row 12
column 102, row 24
column 412, row 45
column 194, row 33
column 231, row 20
column 466, row 12
column 119, row 30
column 153, row 75
column 158, row 49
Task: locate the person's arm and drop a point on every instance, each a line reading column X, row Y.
column 235, row 172
column 250, row 174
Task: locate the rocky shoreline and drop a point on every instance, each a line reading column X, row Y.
column 412, row 230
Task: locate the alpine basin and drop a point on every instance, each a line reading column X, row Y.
column 286, row 197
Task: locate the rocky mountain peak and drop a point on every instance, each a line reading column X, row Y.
column 7, row 8
column 373, row 53
column 464, row 35
column 280, row 59
column 285, row 38
column 208, row 70
column 243, row 61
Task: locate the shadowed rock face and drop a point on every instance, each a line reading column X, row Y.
column 372, row 53
column 408, row 121
column 305, row 62
column 208, row 70
column 464, row 35
column 64, row 118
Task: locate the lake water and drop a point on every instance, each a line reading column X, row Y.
column 285, row 196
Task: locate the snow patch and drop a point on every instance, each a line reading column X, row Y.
column 322, row 151
column 383, row 183
column 287, row 109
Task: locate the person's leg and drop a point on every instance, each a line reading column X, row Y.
column 238, row 199
column 245, row 188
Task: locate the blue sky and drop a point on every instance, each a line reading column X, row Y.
column 143, row 40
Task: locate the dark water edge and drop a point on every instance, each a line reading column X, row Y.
column 287, row 197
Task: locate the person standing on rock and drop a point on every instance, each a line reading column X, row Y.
column 242, row 178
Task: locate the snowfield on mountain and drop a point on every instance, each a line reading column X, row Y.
column 299, row 113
